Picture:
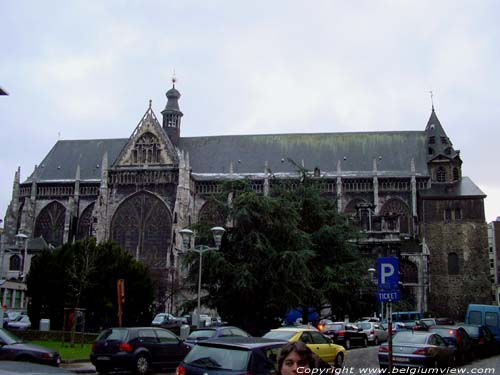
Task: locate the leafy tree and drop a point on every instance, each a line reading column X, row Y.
column 84, row 275
column 289, row 249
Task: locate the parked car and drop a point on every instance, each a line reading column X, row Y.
column 11, row 315
column 345, row 334
column 375, row 332
column 430, row 322
column 21, row 322
column 458, row 337
column 27, row 368
column 232, row 356
column 418, row 349
column 320, row 344
column 214, row 332
column 166, row 320
column 14, row 349
column 483, row 341
column 137, row 349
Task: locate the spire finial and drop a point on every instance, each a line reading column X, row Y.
column 174, row 79
column 150, row 103
column 432, row 100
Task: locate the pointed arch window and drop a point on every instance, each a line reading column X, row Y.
column 15, row 263
column 432, row 140
column 456, row 174
column 50, row 223
column 431, row 151
column 146, row 149
column 441, row 175
column 453, row 265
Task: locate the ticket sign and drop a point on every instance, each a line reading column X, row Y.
column 388, row 273
column 388, row 295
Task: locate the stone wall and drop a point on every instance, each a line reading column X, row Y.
column 450, row 293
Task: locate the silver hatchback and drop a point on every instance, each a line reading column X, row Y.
column 375, row 332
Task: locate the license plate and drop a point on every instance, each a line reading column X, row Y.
column 401, row 359
column 103, row 358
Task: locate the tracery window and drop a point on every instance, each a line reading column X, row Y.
column 400, row 213
column 441, row 175
column 142, row 226
column 432, row 140
column 453, row 265
column 85, row 223
column 50, row 223
column 146, row 150
column 15, row 263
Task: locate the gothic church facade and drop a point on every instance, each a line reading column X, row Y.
column 405, row 190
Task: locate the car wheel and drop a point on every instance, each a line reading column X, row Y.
column 348, row 344
column 141, row 365
column 375, row 342
column 339, row 361
column 365, row 342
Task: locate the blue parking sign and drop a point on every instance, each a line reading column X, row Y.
column 388, row 273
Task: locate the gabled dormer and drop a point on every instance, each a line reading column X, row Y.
column 443, row 161
column 148, row 145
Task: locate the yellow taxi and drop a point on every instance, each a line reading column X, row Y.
column 320, row 344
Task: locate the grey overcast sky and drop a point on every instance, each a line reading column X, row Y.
column 87, row 69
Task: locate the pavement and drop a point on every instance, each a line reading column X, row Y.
column 79, row 367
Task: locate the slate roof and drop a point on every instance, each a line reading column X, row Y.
column 464, row 188
column 249, row 153
column 62, row 160
column 356, row 151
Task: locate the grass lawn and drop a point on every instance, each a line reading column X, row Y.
column 67, row 353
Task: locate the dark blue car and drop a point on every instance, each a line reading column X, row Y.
column 232, row 355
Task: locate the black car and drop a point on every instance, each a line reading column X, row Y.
column 345, row 334
column 231, row 356
column 14, row 349
column 483, row 341
column 137, row 349
column 214, row 332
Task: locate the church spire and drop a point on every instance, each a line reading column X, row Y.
column 172, row 114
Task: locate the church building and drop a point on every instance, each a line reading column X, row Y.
column 405, row 189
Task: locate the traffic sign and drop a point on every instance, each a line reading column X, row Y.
column 388, row 295
column 388, row 273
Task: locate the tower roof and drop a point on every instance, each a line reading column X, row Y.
column 173, row 96
column 437, row 139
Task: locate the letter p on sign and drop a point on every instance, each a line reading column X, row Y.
column 387, row 273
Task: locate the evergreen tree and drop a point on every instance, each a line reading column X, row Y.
column 289, row 249
column 84, row 275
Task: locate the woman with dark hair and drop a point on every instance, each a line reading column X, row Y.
column 294, row 355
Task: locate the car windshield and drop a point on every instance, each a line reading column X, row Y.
column 280, row 335
column 365, row 325
column 409, row 338
column 202, row 333
column 117, row 334
column 8, row 337
column 334, row 327
column 444, row 332
column 159, row 318
column 217, row 357
column 472, row 330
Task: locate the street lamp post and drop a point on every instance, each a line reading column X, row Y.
column 187, row 234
